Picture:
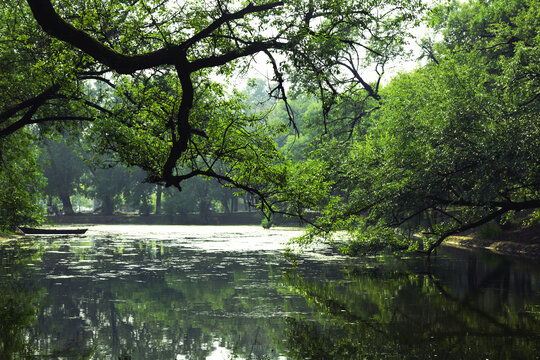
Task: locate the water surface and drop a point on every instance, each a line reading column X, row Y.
column 194, row 292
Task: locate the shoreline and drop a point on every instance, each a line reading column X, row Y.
column 523, row 244
column 499, row 247
column 519, row 242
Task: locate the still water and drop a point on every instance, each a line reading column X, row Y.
column 193, row 292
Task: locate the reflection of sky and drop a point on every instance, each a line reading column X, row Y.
column 207, row 238
column 221, row 353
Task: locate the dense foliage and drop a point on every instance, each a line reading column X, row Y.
column 19, row 200
column 455, row 144
column 140, row 73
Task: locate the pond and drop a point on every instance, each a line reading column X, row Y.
column 194, row 292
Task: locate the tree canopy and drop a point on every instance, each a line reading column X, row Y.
column 436, row 151
column 167, row 50
column 455, row 144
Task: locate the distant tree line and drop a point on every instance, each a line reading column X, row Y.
column 69, row 172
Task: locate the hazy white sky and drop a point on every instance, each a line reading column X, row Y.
column 262, row 70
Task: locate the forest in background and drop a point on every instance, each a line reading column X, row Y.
column 144, row 90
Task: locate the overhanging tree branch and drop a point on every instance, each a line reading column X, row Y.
column 176, row 55
column 228, row 17
column 27, row 120
column 37, row 100
column 465, row 227
column 55, row 26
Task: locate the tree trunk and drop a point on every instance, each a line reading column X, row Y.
column 66, row 202
column 225, row 204
column 204, row 210
column 159, row 192
column 107, row 207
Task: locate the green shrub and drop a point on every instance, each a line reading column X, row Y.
column 372, row 240
column 266, row 223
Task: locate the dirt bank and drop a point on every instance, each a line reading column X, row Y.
column 517, row 242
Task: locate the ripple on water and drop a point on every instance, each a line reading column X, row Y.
column 107, row 275
column 56, row 277
column 82, row 267
column 153, row 269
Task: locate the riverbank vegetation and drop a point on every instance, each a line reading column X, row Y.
column 137, row 102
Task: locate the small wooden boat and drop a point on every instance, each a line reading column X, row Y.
column 28, row 230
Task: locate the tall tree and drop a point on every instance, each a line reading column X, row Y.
column 108, row 183
column 183, row 43
column 456, row 143
column 63, row 169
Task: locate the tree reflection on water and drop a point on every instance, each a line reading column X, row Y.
column 19, row 303
column 112, row 296
column 447, row 311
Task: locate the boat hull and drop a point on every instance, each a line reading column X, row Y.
column 28, row 230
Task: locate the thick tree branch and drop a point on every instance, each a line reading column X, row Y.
column 252, row 49
column 226, row 18
column 521, row 205
column 182, row 132
column 465, row 227
column 35, row 101
column 27, row 120
column 55, row 26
